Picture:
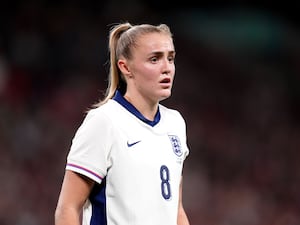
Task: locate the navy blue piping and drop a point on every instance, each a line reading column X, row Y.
column 121, row 100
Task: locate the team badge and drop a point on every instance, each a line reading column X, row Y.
column 175, row 142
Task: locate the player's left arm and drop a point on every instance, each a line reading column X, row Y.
column 182, row 218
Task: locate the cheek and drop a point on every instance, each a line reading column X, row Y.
column 146, row 81
column 148, row 74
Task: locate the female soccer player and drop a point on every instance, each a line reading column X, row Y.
column 125, row 163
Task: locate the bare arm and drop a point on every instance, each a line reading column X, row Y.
column 182, row 218
column 74, row 192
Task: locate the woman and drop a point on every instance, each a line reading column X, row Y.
column 126, row 159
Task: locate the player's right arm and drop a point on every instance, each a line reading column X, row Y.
column 74, row 192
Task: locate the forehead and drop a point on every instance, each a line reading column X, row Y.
column 154, row 42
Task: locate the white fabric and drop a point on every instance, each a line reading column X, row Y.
column 138, row 177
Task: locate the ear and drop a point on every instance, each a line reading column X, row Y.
column 122, row 64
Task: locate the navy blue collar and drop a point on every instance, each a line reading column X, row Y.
column 121, row 100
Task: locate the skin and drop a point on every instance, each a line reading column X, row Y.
column 150, row 72
column 75, row 190
column 149, row 76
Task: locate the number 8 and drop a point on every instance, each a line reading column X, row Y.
column 165, row 185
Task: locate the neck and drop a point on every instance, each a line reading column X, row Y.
column 148, row 110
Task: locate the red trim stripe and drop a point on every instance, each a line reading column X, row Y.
column 87, row 170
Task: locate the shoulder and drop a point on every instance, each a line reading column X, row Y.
column 97, row 121
column 170, row 112
column 106, row 109
column 101, row 114
column 171, row 115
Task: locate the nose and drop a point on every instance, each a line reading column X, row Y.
column 167, row 66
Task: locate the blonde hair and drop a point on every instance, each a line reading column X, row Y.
column 122, row 38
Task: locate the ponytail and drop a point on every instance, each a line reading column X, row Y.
column 114, row 79
column 122, row 38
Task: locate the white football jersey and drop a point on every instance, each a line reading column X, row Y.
column 136, row 164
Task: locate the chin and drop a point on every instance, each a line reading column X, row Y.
column 165, row 95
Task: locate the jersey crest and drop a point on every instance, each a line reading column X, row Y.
column 176, row 145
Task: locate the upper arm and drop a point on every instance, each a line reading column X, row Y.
column 180, row 194
column 74, row 192
column 182, row 218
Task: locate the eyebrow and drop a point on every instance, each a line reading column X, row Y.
column 161, row 52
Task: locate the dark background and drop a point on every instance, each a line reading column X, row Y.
column 237, row 85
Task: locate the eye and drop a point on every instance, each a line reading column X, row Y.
column 171, row 58
column 154, row 59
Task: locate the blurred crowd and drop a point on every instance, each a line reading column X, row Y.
column 236, row 84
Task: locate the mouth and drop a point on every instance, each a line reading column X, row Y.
column 165, row 81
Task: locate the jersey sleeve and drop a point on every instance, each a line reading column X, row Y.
column 90, row 146
column 184, row 135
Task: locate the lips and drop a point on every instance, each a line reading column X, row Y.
column 166, row 81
